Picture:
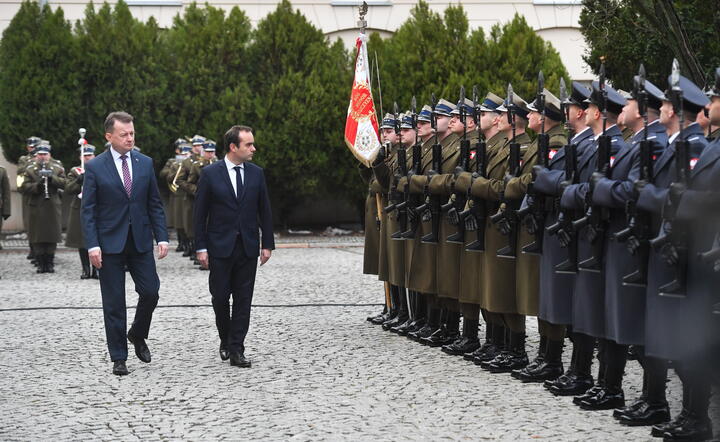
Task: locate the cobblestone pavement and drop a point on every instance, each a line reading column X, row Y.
column 320, row 371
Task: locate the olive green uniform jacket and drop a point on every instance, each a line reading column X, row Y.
column 176, row 197
column 45, row 214
column 527, row 267
column 188, row 199
column 73, row 188
column 163, row 178
column 372, row 229
column 392, row 253
column 498, row 281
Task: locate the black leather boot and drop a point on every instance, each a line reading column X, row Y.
column 398, row 300
column 578, row 380
column 448, row 331
column 480, row 350
column 490, row 351
column 696, row 426
column 515, row 358
column 50, row 263
column 419, row 315
column 85, row 261
column 40, row 263
column 187, row 250
column 432, row 324
column 468, row 342
column 550, row 367
column 403, row 318
column 611, row 395
column 652, row 407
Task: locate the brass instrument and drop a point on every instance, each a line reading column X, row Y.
column 46, row 189
column 19, row 180
column 173, row 186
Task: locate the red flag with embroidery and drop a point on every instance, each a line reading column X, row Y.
column 361, row 126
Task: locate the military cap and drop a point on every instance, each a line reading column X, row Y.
column 491, row 103
column 198, row 140
column 519, row 106
column 88, row 149
column 714, row 91
column 615, row 101
column 425, row 113
column 209, row 146
column 467, row 105
column 179, row 141
column 625, row 94
column 406, row 120
column 388, row 122
column 43, row 146
column 654, row 95
column 32, row 141
column 694, row 99
column 580, row 93
column 185, row 147
column 444, row 107
column 552, row 106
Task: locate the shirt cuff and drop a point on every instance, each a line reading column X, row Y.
column 93, row 249
column 201, row 251
column 163, row 242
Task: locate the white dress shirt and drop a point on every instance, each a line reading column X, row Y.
column 233, row 175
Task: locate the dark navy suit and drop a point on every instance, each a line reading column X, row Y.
column 123, row 227
column 228, row 225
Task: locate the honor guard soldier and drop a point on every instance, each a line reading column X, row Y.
column 4, row 197
column 465, row 123
column 558, row 263
column 73, row 188
column 372, row 235
column 43, row 181
column 499, row 260
column 494, row 141
column 680, row 286
column 187, row 197
column 164, row 177
column 23, row 162
column 589, row 318
column 391, row 265
column 545, row 119
column 443, row 325
column 176, row 195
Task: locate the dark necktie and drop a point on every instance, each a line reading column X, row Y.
column 127, row 181
column 238, row 181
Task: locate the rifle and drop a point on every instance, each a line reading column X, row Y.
column 397, row 200
column 431, row 206
column 563, row 226
column 474, row 217
column 672, row 239
column 411, row 200
column 506, row 219
column 535, row 225
column 637, row 232
column 457, row 200
column 595, row 218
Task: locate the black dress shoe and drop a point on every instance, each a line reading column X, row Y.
column 646, row 414
column 424, row 332
column 486, row 353
column 94, row 273
column 404, row 326
column 141, row 349
column 692, row 428
column 120, row 369
column 540, row 373
column 239, row 360
column 379, row 319
column 394, row 322
column 512, row 361
column 442, row 336
column 572, row 385
column 461, row 346
column 414, row 326
column 85, row 273
column 606, row 399
column 637, row 403
column 660, row 429
column 587, row 394
column 499, row 357
column 224, row 352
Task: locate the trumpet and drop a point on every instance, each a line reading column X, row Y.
column 173, row 186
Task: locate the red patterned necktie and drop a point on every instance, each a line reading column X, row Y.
column 127, row 181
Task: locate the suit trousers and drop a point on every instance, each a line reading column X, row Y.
column 234, row 275
column 112, row 286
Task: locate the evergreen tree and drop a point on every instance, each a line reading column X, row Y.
column 38, row 82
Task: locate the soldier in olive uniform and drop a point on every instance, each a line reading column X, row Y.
column 469, row 264
column 391, row 253
column 548, row 363
column 43, row 181
column 441, row 326
column 418, row 256
column 73, row 188
column 163, row 177
column 372, row 235
column 187, row 197
column 498, row 290
column 23, row 162
column 473, row 273
column 176, row 195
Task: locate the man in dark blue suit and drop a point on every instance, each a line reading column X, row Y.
column 121, row 213
column 231, row 206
